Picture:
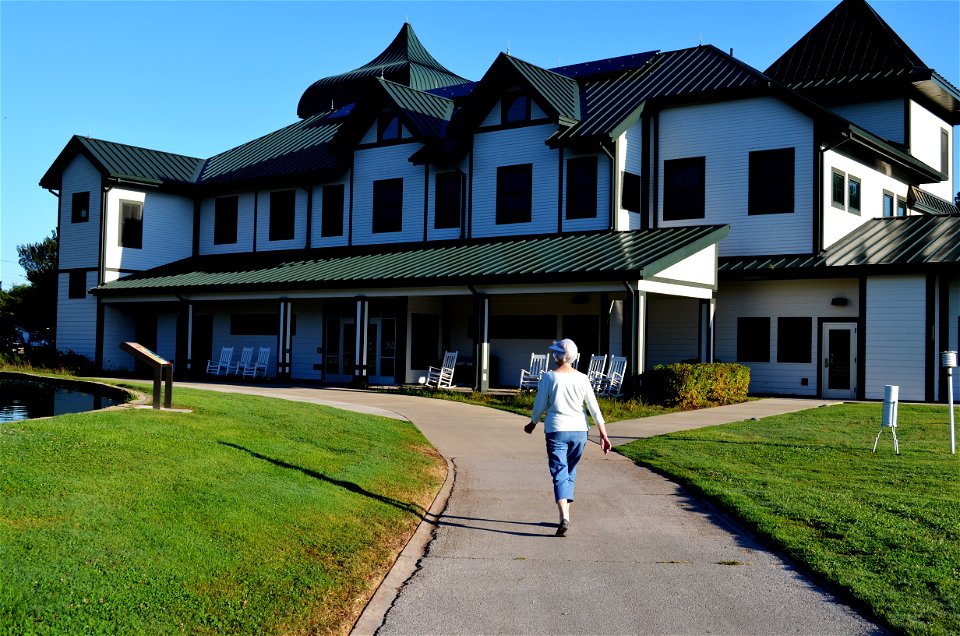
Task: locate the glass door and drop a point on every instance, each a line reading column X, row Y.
column 339, row 358
column 382, row 350
column 839, row 361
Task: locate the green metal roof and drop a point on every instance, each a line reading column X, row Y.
column 120, row 161
column 561, row 93
column 428, row 114
column 900, row 242
column 598, row 256
column 930, row 203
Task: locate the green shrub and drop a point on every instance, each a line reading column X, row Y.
column 696, row 385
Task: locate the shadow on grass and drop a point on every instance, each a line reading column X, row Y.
column 412, row 508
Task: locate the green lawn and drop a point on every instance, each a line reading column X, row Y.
column 882, row 527
column 248, row 516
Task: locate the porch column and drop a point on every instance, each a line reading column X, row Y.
column 636, row 341
column 285, row 340
column 360, row 370
column 481, row 343
column 708, row 312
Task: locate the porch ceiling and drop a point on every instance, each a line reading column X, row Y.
column 563, row 258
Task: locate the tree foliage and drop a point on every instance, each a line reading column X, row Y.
column 31, row 307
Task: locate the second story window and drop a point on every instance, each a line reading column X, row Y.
column 632, row 196
column 225, row 220
column 514, row 193
column 447, row 203
column 388, row 127
column 515, row 107
column 78, row 284
column 901, row 206
column 944, row 151
column 331, row 222
column 282, row 215
column 80, row 207
column 770, row 188
column 853, row 194
column 838, row 189
column 387, row 205
column 684, row 191
column 582, row 188
column 131, row 224
column 887, row 203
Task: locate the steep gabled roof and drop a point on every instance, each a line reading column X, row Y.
column 853, row 47
column 128, row 163
column 426, row 114
column 405, row 61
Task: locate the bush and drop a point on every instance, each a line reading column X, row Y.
column 696, row 385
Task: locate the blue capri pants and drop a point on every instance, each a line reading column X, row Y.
column 564, row 449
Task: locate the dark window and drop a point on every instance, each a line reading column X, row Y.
column 424, row 340
column 838, row 196
column 753, row 340
column 388, row 127
column 80, row 207
column 582, row 188
column 684, row 188
column 515, row 108
column 447, row 201
column 901, row 207
column 78, row 284
column 254, row 325
column 331, row 222
column 853, row 194
column 887, row 203
column 131, row 224
column 944, row 151
column 794, row 339
column 282, row 215
column 514, row 193
column 771, row 181
column 225, row 220
column 632, row 196
column 387, row 205
column 523, row 327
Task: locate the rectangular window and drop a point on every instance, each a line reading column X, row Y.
column 225, row 220
column 254, row 324
column 80, row 207
column 514, row 108
column 387, row 205
column 582, row 188
column 282, row 214
column 753, row 340
column 944, row 151
column 771, row 181
column 388, row 127
column 887, row 203
column 331, row 221
column 424, row 340
column 684, row 188
column 632, row 195
column 838, row 196
column 446, row 212
column 78, row 284
column 853, row 194
column 514, row 194
column 901, row 206
column 794, row 339
column 131, row 224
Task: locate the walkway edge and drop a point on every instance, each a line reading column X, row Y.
column 405, row 566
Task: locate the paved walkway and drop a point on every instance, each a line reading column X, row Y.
column 642, row 556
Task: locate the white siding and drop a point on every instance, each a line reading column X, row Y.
column 299, row 223
column 925, row 130
column 776, row 299
column 725, row 134
column 245, row 206
column 329, row 241
column 309, row 338
column 838, row 223
column 167, row 230
column 602, row 220
column 387, row 162
column 896, row 312
column 512, row 147
column 434, row 234
column 953, row 342
column 884, row 119
column 117, row 327
column 673, row 329
column 79, row 242
column 167, row 339
column 76, row 318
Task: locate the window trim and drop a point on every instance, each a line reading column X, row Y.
column 517, row 215
column 590, row 166
column 327, row 215
column 379, row 223
column 902, row 204
column 757, row 203
column 854, row 209
column 218, row 237
column 840, row 205
column 288, row 220
column 669, row 212
column 893, row 204
column 74, row 217
column 132, row 242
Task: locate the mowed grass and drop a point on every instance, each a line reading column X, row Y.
column 882, row 527
column 247, row 516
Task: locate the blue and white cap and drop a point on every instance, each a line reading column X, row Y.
column 566, row 347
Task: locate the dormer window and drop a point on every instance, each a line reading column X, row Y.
column 515, row 107
column 388, row 127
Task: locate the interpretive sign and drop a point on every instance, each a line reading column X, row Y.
column 162, row 371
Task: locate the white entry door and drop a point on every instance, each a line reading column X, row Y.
column 839, row 355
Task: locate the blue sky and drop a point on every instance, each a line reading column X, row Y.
column 198, row 78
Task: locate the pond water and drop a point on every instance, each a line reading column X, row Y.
column 26, row 399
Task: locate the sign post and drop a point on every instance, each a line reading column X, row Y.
column 162, row 371
column 948, row 360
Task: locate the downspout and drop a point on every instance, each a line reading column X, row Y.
column 196, row 227
column 426, row 200
column 613, row 185
column 560, row 191
column 655, row 143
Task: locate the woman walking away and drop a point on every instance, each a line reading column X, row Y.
column 561, row 395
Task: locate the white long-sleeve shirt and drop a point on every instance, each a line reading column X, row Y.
column 561, row 396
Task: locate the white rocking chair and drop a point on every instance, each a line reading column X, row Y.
column 595, row 370
column 243, row 363
column 258, row 368
column 442, row 376
column 530, row 378
column 612, row 382
column 221, row 366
